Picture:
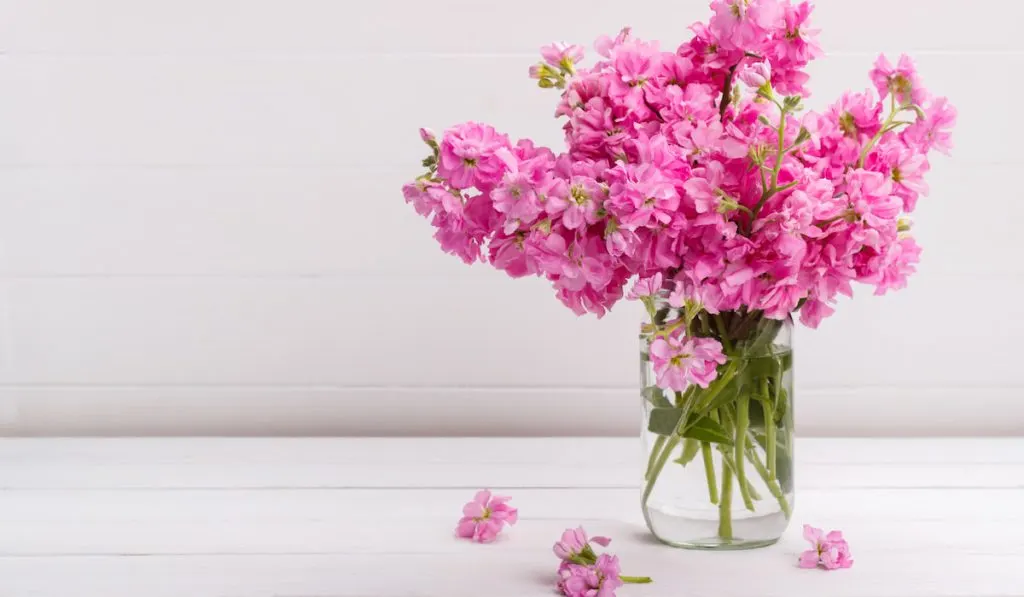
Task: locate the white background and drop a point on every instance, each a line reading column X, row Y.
column 202, row 229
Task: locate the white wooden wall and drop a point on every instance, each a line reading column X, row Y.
column 201, row 227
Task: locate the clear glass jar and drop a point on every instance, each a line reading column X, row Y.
column 719, row 466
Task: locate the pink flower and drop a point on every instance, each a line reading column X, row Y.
column 901, row 81
column 743, row 24
column 646, row 287
column 641, row 195
column 428, row 136
column 574, row 542
column 755, row 75
column 680, row 360
column 829, row 551
column 598, row 580
column 934, row 130
column 562, row 55
column 484, row 517
column 469, row 156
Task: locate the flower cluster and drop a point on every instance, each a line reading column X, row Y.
column 485, row 516
column 697, row 165
column 827, row 550
column 584, row 573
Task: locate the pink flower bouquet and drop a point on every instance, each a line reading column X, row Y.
column 697, row 173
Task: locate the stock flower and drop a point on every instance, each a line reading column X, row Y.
column 469, row 156
column 485, row 516
column 901, row 81
column 560, row 54
column 756, row 74
column 598, row 580
column 680, row 360
column 645, row 287
column 829, row 551
column 575, row 542
column 661, row 174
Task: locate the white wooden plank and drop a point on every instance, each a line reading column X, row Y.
column 907, row 542
column 319, row 221
column 362, row 411
column 293, row 529
column 27, row 464
column 326, row 26
column 299, row 332
column 291, row 111
column 698, row 574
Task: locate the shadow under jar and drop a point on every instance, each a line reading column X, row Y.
column 719, row 466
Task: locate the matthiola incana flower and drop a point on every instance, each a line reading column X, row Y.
column 829, row 551
column 485, row 516
column 680, row 360
column 699, row 164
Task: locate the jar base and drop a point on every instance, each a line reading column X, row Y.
column 686, row 532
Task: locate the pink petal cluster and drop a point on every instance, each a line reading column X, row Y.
column 680, row 360
column 583, row 572
column 598, row 580
column 674, row 167
column 829, row 551
column 485, row 516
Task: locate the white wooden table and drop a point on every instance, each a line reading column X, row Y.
column 374, row 518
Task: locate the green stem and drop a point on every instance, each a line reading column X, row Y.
column 742, row 424
column 769, row 429
column 725, row 504
column 655, row 450
column 709, row 471
column 636, row 580
column 659, row 464
column 724, row 336
column 729, row 462
column 773, row 486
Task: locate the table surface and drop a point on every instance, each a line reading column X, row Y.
column 374, row 518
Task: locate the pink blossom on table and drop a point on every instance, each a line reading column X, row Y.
column 829, row 551
column 646, row 287
column 934, row 130
column 575, row 542
column 561, row 54
column 680, row 360
column 755, row 74
column 598, row 580
column 902, row 80
column 469, row 156
column 485, row 516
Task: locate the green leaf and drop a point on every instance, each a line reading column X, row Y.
column 691, row 448
column 707, row 430
column 756, row 413
column 656, row 396
column 762, row 367
column 664, row 420
column 728, row 393
column 644, row 357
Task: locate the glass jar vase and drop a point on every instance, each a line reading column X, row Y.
column 719, row 466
